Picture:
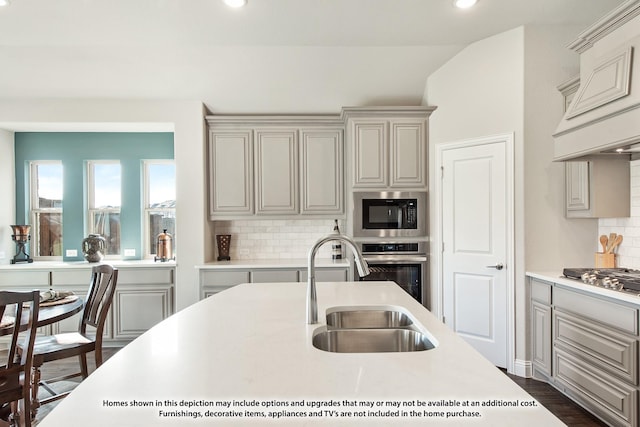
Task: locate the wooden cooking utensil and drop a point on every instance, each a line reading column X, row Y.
column 604, row 242
column 612, row 238
column 615, row 244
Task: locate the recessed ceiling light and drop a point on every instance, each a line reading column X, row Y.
column 4, row 2
column 232, row 3
column 464, row 4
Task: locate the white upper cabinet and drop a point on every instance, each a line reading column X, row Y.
column 370, row 147
column 598, row 188
column 276, row 171
column 231, row 172
column 407, row 154
column 322, row 171
column 275, row 166
column 388, row 147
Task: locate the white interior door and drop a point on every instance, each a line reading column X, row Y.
column 475, row 218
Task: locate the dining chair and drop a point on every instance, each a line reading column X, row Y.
column 15, row 375
column 61, row 346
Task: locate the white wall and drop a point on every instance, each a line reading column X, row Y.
column 507, row 83
column 552, row 241
column 186, row 119
column 7, row 194
column 479, row 93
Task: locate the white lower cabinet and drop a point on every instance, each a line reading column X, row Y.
column 586, row 346
column 612, row 400
column 213, row 281
column 541, row 333
column 602, row 347
column 144, row 296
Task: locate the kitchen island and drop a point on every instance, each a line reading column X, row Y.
column 245, row 357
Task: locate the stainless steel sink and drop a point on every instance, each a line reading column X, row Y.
column 369, row 319
column 371, row 340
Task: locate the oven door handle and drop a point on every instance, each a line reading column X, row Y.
column 395, row 259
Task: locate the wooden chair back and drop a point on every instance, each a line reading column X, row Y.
column 15, row 375
column 99, row 298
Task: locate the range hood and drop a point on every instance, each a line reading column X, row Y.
column 604, row 115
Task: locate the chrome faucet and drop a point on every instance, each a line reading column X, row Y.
column 312, row 299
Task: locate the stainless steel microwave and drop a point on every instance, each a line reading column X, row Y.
column 389, row 214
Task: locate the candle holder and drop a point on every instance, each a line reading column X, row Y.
column 21, row 235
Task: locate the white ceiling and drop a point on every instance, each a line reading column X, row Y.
column 273, row 56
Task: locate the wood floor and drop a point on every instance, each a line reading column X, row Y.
column 562, row 407
column 62, row 367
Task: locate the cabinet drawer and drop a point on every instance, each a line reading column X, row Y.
column 617, row 316
column 271, row 276
column 18, row 279
column 541, row 291
column 137, row 276
column 330, row 275
column 602, row 347
column 613, row 400
column 224, row 278
column 62, row 278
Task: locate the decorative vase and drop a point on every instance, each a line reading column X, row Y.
column 224, row 242
column 93, row 247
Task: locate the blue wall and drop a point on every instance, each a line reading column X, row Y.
column 74, row 150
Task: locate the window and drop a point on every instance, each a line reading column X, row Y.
column 46, row 208
column 104, row 202
column 159, row 201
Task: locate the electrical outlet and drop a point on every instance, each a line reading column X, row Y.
column 129, row 252
column 71, row 252
column 2, row 255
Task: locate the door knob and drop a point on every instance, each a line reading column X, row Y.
column 498, row 266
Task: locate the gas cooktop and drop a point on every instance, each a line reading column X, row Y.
column 620, row 279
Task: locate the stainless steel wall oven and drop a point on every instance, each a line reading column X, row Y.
column 402, row 262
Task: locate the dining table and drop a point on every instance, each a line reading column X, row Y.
column 48, row 314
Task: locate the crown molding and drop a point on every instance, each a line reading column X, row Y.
column 607, row 24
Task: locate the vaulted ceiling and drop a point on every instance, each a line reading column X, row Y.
column 294, row 56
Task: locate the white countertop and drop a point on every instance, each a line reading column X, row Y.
column 557, row 277
column 251, row 343
column 48, row 265
column 274, row 263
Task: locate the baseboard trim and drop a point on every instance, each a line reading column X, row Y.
column 523, row 368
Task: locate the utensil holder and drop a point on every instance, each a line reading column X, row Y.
column 605, row 260
column 224, row 242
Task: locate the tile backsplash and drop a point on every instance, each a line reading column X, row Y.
column 275, row 239
column 629, row 250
